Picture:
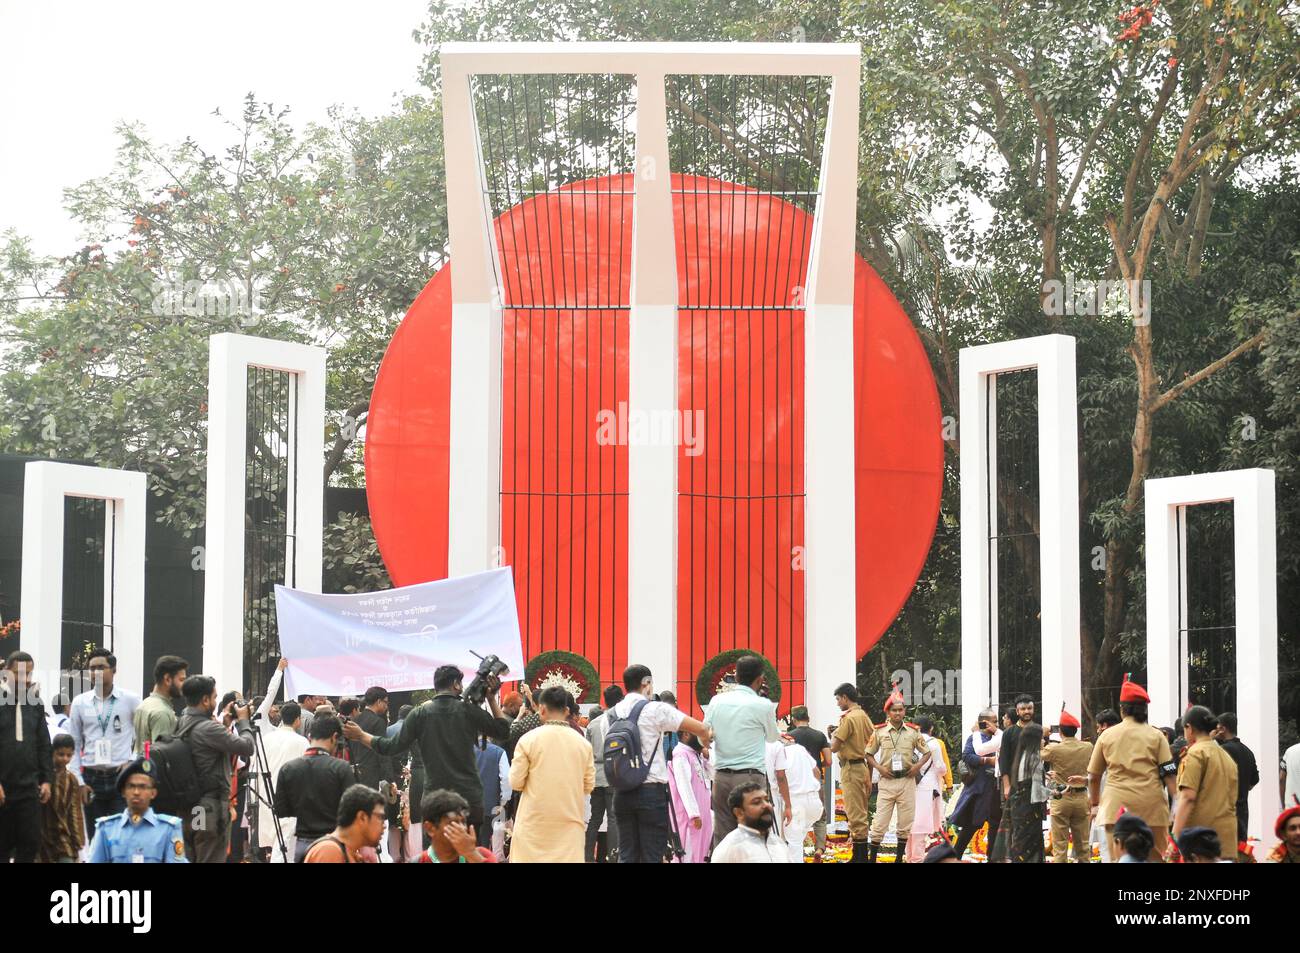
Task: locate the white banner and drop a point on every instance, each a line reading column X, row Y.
column 396, row 638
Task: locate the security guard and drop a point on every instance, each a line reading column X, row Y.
column 900, row 754
column 849, row 741
column 1068, row 761
column 1139, row 769
column 138, row 835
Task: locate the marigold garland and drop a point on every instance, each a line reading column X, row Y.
column 723, row 664
column 565, row 668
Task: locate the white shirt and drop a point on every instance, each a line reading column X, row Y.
column 92, row 719
column 282, row 744
column 656, row 718
column 1291, row 765
column 503, row 770
column 992, row 746
column 931, row 778
column 774, row 755
column 745, row 845
column 800, row 771
column 272, row 693
column 57, row 723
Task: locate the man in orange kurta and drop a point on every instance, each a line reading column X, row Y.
column 553, row 767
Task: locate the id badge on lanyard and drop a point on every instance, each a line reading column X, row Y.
column 103, row 746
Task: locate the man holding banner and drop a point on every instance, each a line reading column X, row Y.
column 445, row 729
column 403, row 640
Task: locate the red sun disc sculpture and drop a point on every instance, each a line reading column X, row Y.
column 740, row 513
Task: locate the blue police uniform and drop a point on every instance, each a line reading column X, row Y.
column 151, row 839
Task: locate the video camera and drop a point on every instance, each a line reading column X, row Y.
column 488, row 668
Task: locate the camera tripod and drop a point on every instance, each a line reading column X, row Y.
column 260, row 768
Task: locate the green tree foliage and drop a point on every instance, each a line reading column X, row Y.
column 1003, row 147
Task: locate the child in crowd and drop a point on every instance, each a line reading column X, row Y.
column 63, row 827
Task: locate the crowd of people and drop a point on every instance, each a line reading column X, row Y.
column 1140, row 793
column 190, row 776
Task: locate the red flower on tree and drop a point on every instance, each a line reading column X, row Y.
column 1135, row 20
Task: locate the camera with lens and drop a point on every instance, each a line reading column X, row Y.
column 489, row 668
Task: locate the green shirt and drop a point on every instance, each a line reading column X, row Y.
column 153, row 718
column 743, row 722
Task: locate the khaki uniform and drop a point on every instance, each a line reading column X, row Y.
column 899, row 792
column 854, row 734
column 1133, row 754
column 1210, row 771
column 1069, row 812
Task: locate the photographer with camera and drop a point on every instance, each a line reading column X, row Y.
column 446, row 729
column 207, row 829
column 311, row 787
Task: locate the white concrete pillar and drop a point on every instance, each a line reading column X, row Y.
column 45, row 486
column 224, row 609
column 1254, row 520
column 1058, row 519
column 652, row 391
column 474, row 488
column 830, row 504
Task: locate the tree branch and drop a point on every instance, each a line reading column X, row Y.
column 1102, row 124
column 1191, row 380
column 341, row 442
column 732, row 142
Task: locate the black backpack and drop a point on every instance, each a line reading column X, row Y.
column 625, row 769
column 179, row 788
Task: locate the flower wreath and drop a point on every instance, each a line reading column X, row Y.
column 710, row 680
column 569, row 670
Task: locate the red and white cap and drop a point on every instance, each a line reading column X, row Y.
column 1131, row 691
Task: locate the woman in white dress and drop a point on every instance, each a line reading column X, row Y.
column 928, row 818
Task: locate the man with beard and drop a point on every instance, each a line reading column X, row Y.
column 156, row 715
column 753, row 841
column 999, row 850
column 1287, row 829
column 26, row 768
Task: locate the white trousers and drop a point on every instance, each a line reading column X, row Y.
column 805, row 811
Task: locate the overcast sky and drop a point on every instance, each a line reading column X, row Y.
column 71, row 69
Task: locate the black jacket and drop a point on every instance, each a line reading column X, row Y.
column 310, row 788
column 26, row 764
column 372, row 767
column 445, row 729
column 1247, row 769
